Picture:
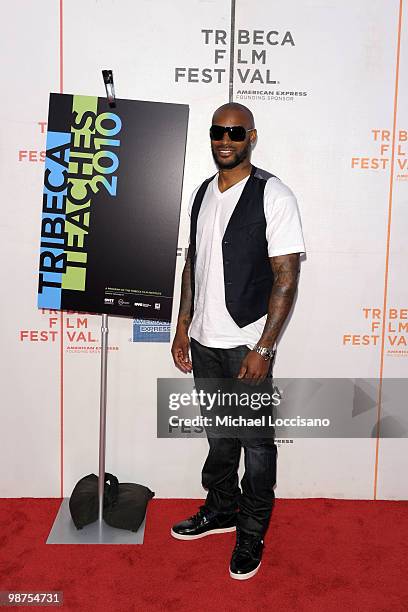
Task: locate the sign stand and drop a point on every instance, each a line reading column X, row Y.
column 63, row 530
column 102, row 416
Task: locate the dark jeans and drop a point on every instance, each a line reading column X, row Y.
column 219, row 474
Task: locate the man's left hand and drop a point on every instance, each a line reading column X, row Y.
column 254, row 368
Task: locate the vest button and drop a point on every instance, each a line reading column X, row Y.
column 226, row 241
column 226, row 263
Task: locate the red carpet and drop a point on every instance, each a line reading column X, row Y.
column 320, row 555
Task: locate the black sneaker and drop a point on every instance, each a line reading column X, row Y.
column 246, row 556
column 204, row 523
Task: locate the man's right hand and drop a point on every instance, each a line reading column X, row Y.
column 180, row 351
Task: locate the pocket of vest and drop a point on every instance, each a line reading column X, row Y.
column 252, row 235
column 257, row 231
column 254, row 226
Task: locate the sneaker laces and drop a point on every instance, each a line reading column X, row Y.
column 245, row 543
column 202, row 513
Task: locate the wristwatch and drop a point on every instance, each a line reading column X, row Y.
column 265, row 352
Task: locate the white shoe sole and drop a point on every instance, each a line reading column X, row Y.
column 179, row 536
column 245, row 576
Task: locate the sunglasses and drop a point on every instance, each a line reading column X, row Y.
column 237, row 133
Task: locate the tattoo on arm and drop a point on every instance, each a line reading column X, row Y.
column 184, row 316
column 286, row 272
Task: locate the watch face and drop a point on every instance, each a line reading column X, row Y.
column 264, row 352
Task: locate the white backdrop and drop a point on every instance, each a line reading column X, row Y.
column 332, row 126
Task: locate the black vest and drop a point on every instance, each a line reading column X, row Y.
column 248, row 277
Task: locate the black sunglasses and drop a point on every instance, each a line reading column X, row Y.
column 237, row 133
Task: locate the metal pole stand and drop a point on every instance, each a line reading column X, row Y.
column 102, row 415
column 63, row 530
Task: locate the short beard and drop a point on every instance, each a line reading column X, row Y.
column 238, row 159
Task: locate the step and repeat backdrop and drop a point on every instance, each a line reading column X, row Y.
column 327, row 83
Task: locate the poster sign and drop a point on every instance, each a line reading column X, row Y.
column 111, row 206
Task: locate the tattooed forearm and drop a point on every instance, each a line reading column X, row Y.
column 184, row 316
column 286, row 271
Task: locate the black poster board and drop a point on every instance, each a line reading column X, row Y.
column 111, row 206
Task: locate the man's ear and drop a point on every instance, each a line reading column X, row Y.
column 253, row 137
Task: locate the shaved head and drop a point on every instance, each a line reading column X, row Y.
column 227, row 153
column 236, row 110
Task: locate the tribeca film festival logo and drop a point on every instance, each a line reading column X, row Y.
column 381, row 161
column 77, row 335
column 34, row 155
column 396, row 331
column 251, row 71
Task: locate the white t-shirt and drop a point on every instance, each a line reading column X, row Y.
column 212, row 325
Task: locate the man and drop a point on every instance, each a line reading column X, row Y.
column 238, row 286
